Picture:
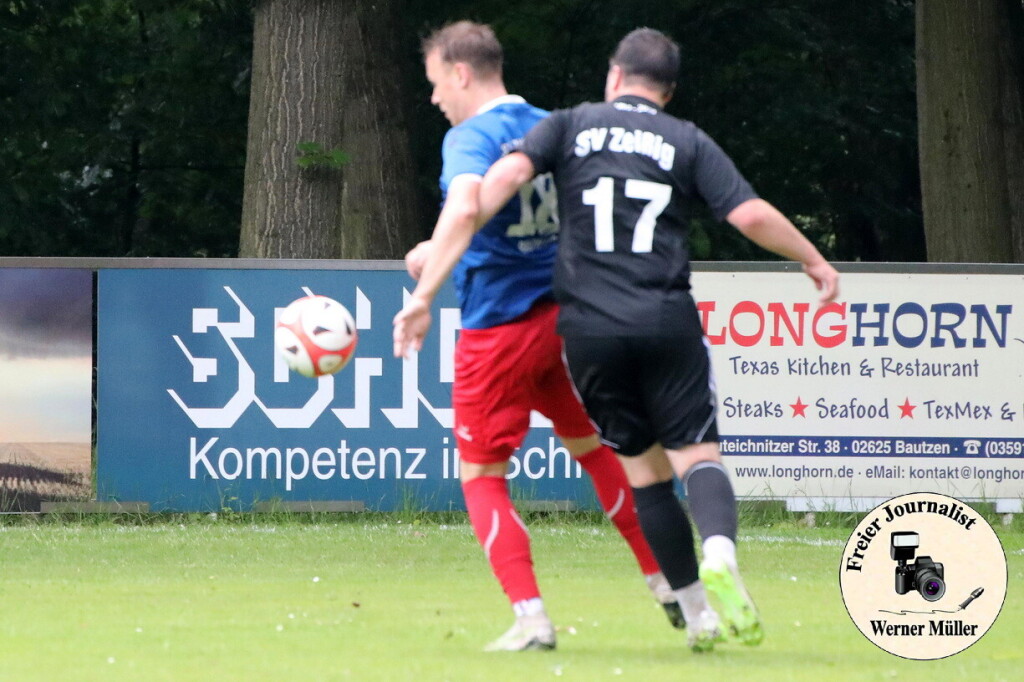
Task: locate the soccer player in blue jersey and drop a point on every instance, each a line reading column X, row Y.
column 508, row 358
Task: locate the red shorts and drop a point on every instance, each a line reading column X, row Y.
column 502, row 373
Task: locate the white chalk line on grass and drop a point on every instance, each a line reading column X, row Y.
column 785, row 539
column 449, row 528
column 744, row 537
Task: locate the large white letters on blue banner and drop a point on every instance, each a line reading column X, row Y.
column 197, row 410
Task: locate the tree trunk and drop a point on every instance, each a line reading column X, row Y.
column 1012, row 55
column 323, row 74
column 971, row 129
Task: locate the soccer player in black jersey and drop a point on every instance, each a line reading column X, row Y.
column 627, row 174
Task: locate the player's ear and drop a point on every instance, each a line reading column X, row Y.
column 669, row 91
column 463, row 73
column 613, row 81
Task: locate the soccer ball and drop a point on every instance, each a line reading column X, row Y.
column 315, row 335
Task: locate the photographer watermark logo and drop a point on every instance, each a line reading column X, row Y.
column 923, row 576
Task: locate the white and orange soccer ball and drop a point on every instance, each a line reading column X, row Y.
column 315, row 335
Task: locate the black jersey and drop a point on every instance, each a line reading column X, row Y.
column 626, row 174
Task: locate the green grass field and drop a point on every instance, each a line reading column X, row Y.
column 395, row 598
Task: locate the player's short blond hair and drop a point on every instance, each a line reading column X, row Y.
column 468, row 42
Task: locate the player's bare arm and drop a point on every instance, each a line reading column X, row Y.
column 503, row 180
column 454, row 230
column 765, row 225
column 417, row 258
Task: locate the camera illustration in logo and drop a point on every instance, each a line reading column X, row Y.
column 924, row 575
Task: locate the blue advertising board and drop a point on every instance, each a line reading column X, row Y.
column 196, row 411
column 898, row 389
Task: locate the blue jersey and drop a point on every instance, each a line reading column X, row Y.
column 508, row 265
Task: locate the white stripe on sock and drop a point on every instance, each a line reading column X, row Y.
column 617, row 506
column 493, row 534
column 515, row 517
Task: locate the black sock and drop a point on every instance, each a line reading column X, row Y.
column 667, row 530
column 711, row 500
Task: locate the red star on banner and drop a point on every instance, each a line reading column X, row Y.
column 907, row 409
column 799, row 408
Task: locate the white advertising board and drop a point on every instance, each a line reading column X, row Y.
column 909, row 382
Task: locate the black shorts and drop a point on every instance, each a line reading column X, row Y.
column 641, row 391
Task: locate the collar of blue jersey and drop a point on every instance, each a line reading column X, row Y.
column 635, row 99
column 498, row 101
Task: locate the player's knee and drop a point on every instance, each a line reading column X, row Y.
column 643, row 478
column 647, row 468
column 470, row 470
column 685, row 458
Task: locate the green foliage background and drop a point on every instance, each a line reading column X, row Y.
column 124, row 127
column 125, row 120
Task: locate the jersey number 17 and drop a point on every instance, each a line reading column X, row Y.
column 602, row 197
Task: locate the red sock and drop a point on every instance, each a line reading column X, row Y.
column 502, row 535
column 616, row 498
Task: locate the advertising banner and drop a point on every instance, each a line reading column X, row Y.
column 198, row 411
column 911, row 382
column 45, row 386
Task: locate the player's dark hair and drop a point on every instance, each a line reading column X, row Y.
column 649, row 55
column 468, row 42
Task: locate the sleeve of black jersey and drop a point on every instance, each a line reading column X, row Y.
column 717, row 180
column 541, row 145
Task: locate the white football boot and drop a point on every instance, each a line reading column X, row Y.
column 528, row 633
